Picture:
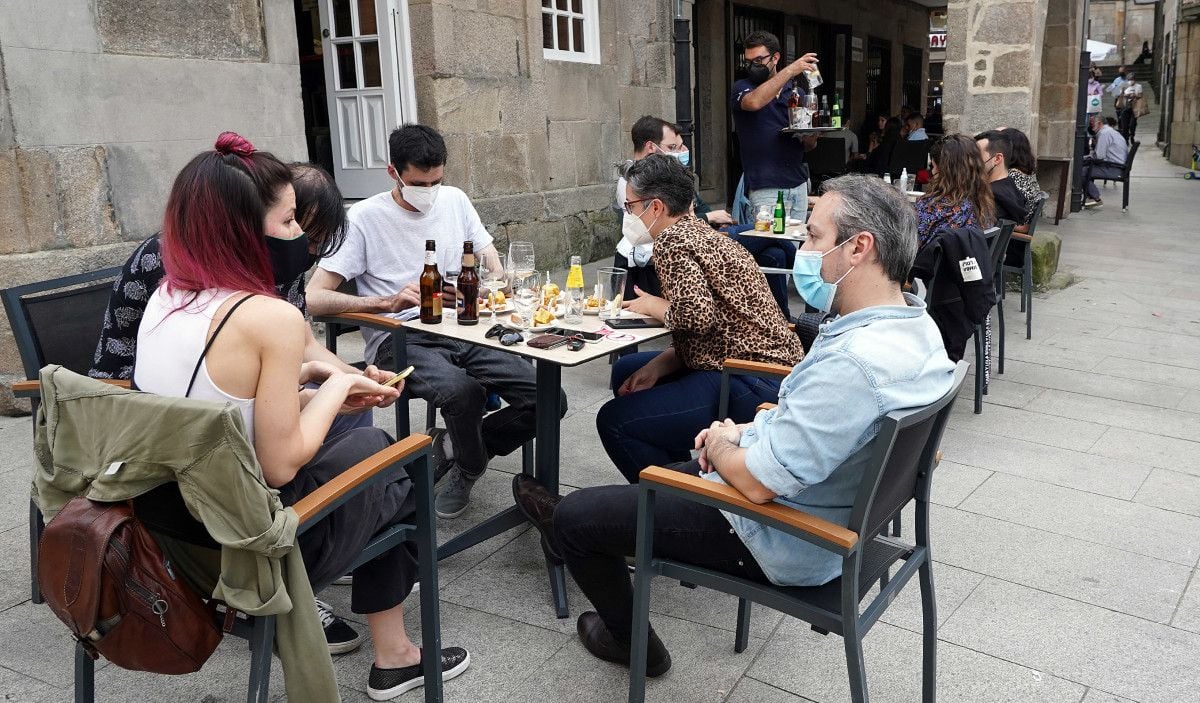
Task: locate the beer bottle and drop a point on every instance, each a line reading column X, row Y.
column 836, row 119
column 468, row 287
column 826, row 120
column 431, row 286
column 779, row 215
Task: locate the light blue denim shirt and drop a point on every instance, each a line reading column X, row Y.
column 807, row 450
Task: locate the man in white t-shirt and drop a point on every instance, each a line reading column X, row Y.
column 384, row 254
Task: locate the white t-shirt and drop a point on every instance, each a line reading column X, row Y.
column 385, row 245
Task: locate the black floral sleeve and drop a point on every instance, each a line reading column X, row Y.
column 139, row 278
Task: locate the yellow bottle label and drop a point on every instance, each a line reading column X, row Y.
column 575, row 277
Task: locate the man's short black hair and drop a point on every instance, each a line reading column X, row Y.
column 998, row 143
column 416, row 145
column 915, row 120
column 1110, row 121
column 650, row 129
column 768, row 41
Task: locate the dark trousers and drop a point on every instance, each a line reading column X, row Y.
column 596, row 529
column 644, row 277
column 1127, row 123
column 1097, row 171
column 773, row 254
column 331, row 545
column 457, row 377
column 659, row 425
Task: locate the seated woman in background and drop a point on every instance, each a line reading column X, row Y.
column 717, row 306
column 1023, row 171
column 880, row 157
column 218, row 320
column 958, row 194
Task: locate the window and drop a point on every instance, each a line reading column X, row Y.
column 571, row 30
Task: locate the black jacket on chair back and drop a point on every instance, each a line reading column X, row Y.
column 964, row 290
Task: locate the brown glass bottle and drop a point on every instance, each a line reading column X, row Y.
column 468, row 287
column 431, row 286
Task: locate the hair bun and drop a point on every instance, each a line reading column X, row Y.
column 233, row 143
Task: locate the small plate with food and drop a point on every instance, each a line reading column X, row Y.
column 501, row 303
column 543, row 320
column 593, row 305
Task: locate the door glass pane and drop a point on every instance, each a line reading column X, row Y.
column 547, row 30
column 547, row 3
column 341, row 18
column 577, row 26
column 366, row 17
column 564, row 34
column 370, row 64
column 562, row 4
column 577, row 6
column 346, row 70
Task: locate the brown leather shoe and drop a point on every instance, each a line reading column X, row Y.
column 600, row 642
column 537, row 505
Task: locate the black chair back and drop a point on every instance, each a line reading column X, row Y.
column 59, row 321
column 1133, row 149
column 828, row 158
column 998, row 239
column 913, row 156
column 903, row 455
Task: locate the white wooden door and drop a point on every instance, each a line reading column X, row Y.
column 368, row 78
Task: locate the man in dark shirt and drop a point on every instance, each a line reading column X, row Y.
column 995, row 148
column 771, row 161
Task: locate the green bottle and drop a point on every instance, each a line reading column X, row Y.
column 779, row 221
column 836, row 120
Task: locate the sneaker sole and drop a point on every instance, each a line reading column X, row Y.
column 390, row 693
column 451, row 516
column 348, row 646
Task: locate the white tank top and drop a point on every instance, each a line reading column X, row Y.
column 169, row 344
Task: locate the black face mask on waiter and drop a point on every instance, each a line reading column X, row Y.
column 289, row 258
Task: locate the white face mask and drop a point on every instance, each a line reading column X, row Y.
column 635, row 231
column 420, row 197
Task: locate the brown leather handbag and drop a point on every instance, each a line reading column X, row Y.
column 105, row 577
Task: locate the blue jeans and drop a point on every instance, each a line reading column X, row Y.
column 794, row 199
column 659, row 425
column 772, row 253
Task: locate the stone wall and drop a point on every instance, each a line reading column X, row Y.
column 534, row 142
column 101, row 104
column 1121, row 23
column 1185, row 124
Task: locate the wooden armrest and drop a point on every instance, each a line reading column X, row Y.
column 313, row 503
column 765, row 406
column 364, row 319
column 759, row 367
column 28, row 389
column 813, row 525
column 1021, row 236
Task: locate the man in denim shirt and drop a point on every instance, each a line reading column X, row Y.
column 882, row 353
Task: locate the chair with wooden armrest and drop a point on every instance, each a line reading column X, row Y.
column 902, row 459
column 57, row 321
column 407, row 456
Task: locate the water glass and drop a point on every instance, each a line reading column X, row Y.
column 610, row 289
column 450, row 312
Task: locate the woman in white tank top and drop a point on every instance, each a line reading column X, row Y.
column 229, row 216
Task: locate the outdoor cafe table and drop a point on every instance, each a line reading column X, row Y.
column 792, row 233
column 548, row 364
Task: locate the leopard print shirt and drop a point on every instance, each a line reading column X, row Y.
column 720, row 305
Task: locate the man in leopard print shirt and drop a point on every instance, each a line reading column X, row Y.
column 717, row 305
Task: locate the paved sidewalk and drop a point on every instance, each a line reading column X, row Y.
column 1066, row 529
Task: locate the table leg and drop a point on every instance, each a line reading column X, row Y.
column 546, row 461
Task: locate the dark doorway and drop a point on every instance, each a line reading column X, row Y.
column 910, row 86
column 312, row 84
column 879, row 77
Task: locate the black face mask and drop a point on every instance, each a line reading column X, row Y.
column 289, row 258
column 758, row 74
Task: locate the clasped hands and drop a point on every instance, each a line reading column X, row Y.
column 721, row 436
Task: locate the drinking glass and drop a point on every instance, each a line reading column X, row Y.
column 450, row 312
column 610, row 289
column 521, row 260
column 810, row 108
column 495, row 279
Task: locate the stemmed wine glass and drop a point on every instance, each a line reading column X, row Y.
column 495, row 279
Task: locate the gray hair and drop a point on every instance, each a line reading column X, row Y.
column 867, row 204
column 663, row 177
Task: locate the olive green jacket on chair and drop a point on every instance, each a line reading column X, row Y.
column 112, row 444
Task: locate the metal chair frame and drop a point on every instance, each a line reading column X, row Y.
column 1026, row 273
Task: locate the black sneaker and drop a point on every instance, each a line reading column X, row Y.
column 386, row 684
column 340, row 637
column 437, row 453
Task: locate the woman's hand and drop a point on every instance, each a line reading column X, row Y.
column 641, row 379
column 646, row 304
column 362, row 392
column 379, row 376
column 317, row 371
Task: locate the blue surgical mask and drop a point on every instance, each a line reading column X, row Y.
column 684, row 157
column 806, row 274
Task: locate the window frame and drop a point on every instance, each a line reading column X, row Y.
column 591, row 33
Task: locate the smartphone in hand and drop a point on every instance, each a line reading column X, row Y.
column 398, row 377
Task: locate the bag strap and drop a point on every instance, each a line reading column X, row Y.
column 212, row 339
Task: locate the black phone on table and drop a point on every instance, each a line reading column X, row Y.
column 630, row 323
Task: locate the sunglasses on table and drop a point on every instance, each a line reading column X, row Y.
column 506, row 336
